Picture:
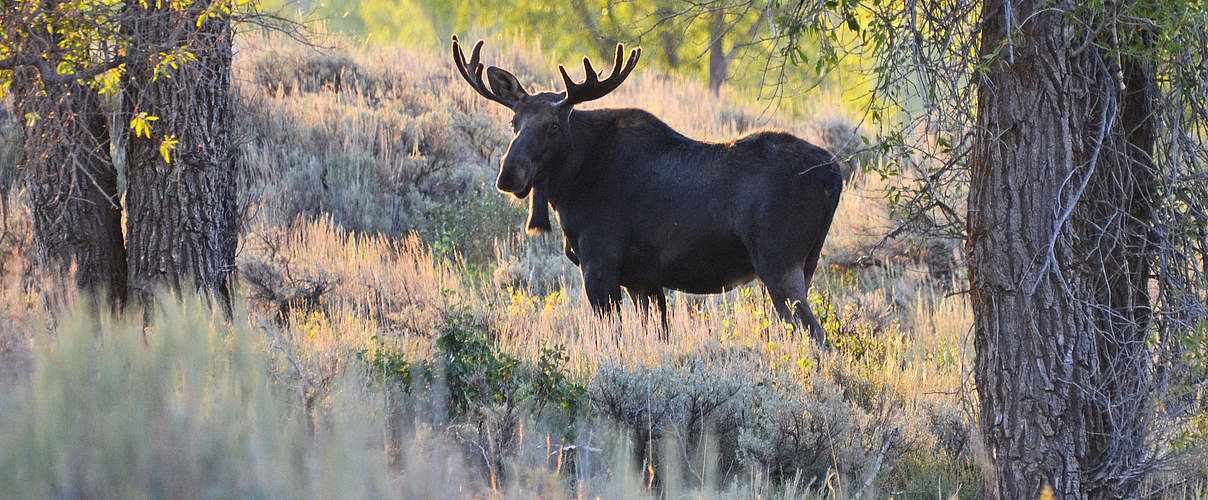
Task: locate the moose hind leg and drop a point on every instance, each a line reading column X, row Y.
column 811, row 265
column 661, row 300
column 788, row 290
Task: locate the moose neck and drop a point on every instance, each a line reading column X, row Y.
column 563, row 181
column 599, row 139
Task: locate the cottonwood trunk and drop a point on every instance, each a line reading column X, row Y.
column 1059, row 217
column 72, row 183
column 669, row 40
column 182, row 223
column 719, row 59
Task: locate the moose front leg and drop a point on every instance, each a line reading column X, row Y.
column 603, row 288
column 646, row 297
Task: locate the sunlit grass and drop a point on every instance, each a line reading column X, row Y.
column 187, row 408
column 344, row 257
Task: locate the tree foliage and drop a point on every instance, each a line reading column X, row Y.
column 85, row 41
column 162, row 69
column 740, row 43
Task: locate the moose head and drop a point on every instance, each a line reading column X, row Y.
column 540, row 122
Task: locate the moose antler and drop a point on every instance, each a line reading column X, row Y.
column 592, row 88
column 472, row 72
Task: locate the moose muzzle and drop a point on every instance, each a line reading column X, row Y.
column 513, row 175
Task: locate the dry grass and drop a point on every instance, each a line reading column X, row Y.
column 349, row 251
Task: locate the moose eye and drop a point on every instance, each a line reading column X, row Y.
column 553, row 127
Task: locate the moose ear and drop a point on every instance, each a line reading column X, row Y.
column 505, row 85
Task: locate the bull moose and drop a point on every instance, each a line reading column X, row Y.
column 645, row 208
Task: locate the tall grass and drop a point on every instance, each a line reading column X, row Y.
column 193, row 407
column 187, row 408
column 377, row 262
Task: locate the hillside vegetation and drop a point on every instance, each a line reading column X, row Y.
column 399, row 335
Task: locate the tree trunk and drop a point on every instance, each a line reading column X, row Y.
column 72, row 183
column 719, row 60
column 182, row 223
column 1058, row 241
column 669, row 39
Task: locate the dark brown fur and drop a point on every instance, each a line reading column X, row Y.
column 645, row 208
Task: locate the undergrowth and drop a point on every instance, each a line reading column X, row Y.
column 399, row 336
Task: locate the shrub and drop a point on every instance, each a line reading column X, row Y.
column 808, row 428
column 475, row 373
column 690, row 401
column 938, row 462
column 186, row 408
column 486, row 393
column 846, row 333
column 375, row 151
column 287, row 73
column 397, row 285
column 757, row 420
column 536, row 265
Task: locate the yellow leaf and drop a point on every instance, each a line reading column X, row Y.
column 167, row 146
column 141, row 124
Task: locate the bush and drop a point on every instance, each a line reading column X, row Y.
column 486, row 393
column 397, row 285
column 186, row 408
column 536, row 265
column 758, row 421
column 947, row 467
column 377, row 152
column 287, row 73
column 857, row 338
column 809, row 429
column 475, row 373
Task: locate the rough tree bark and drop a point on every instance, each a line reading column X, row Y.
column 72, row 183
column 1058, row 241
column 182, row 222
